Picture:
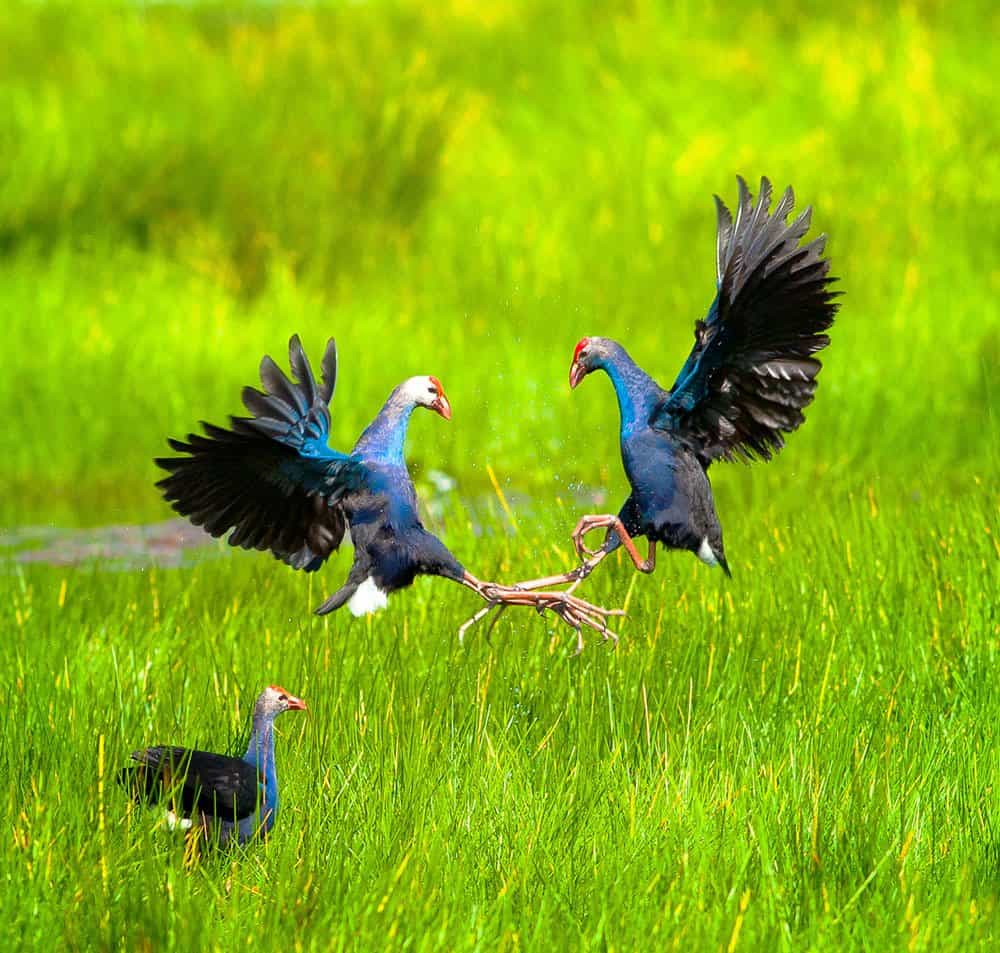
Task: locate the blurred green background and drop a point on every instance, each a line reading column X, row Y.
column 466, row 189
column 801, row 757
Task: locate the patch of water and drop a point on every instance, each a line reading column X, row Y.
column 170, row 543
column 176, row 542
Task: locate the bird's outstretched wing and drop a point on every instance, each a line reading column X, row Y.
column 212, row 783
column 751, row 371
column 271, row 479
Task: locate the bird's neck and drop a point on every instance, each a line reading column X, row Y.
column 637, row 392
column 260, row 750
column 385, row 436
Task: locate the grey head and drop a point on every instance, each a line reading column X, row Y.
column 591, row 354
column 274, row 700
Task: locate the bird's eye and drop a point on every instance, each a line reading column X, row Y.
column 432, row 390
column 282, row 697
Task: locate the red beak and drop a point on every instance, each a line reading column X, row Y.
column 577, row 372
column 296, row 704
column 442, row 406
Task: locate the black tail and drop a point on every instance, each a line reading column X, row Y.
column 338, row 599
column 354, row 579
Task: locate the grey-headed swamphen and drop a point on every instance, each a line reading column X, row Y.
column 231, row 800
column 745, row 384
column 273, row 483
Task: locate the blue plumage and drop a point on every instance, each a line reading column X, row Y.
column 259, row 757
column 272, row 482
column 745, row 383
column 229, row 799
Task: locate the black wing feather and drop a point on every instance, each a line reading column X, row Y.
column 213, row 784
column 271, row 481
column 751, row 371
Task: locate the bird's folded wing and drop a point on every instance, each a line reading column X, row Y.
column 751, row 371
column 213, row 783
column 271, row 479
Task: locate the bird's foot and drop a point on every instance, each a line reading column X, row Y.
column 577, row 613
column 584, row 526
column 591, row 557
column 585, row 569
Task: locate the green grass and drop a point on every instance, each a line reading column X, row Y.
column 802, row 757
column 813, row 742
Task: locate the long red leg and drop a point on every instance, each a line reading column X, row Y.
column 608, row 521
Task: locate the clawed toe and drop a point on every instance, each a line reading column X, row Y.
column 583, row 527
column 575, row 612
column 541, row 594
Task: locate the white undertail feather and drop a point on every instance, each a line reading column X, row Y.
column 173, row 822
column 706, row 554
column 368, row 598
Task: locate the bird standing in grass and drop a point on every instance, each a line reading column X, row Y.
column 749, row 376
column 222, row 796
column 273, row 483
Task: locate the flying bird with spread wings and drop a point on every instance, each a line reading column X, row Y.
column 272, row 482
column 748, row 378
